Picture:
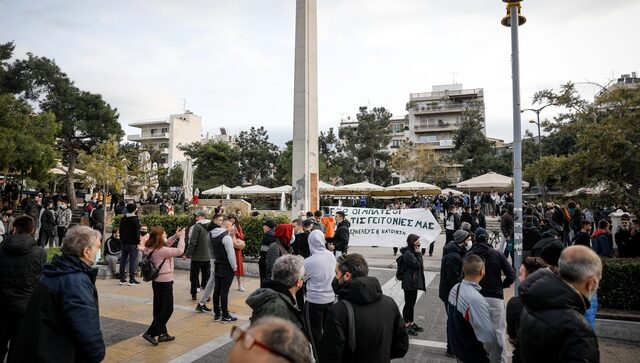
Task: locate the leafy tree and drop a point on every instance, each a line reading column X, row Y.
column 607, row 137
column 285, row 164
column 472, row 148
column 364, row 152
column 27, row 140
column 257, row 155
column 104, row 166
column 329, row 166
column 175, row 176
column 84, row 118
column 214, row 162
column 416, row 163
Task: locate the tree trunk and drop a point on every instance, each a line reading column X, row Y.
column 71, row 191
column 373, row 168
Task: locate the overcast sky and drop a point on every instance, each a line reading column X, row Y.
column 232, row 60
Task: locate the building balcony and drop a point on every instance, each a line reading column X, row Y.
column 454, row 126
column 145, row 137
column 149, row 122
column 474, row 92
column 164, row 150
column 438, row 109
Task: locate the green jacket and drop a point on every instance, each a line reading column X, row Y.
column 198, row 248
column 276, row 300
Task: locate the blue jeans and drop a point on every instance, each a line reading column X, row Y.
column 129, row 253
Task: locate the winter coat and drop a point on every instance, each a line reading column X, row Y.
column 530, row 235
column 480, row 219
column 48, row 222
column 97, row 218
column 267, row 239
column 624, row 241
column 198, row 248
column 506, row 225
column 379, row 326
column 413, row 277
column 274, row 299
column 319, row 271
column 495, row 264
column 582, row 238
column 130, row 229
column 450, row 269
column 62, row 321
column 301, row 245
column 276, row 250
column 340, row 239
column 552, row 326
column 222, row 251
column 113, row 246
column 63, row 219
column 601, row 242
column 163, row 256
column 468, row 217
column 514, row 310
column 21, row 263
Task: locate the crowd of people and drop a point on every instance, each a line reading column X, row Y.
column 313, row 292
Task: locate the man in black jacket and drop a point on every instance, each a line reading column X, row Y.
column 379, row 331
column 62, row 321
column 339, row 243
column 492, row 284
column 130, row 237
column 21, row 263
column 268, row 238
column 552, row 325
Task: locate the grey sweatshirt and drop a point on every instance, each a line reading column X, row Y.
column 227, row 242
column 319, row 270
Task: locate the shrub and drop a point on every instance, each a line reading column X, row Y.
column 170, row 223
column 252, row 227
column 618, row 289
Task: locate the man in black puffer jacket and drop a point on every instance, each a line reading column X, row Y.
column 379, row 331
column 495, row 264
column 552, row 324
column 21, row 261
column 62, row 321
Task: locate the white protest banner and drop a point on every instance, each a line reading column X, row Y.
column 388, row 227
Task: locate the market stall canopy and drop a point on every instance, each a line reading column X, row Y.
column 219, row 190
column 60, row 169
column 410, row 188
column 598, row 189
column 488, row 182
column 357, row 188
column 452, row 191
column 325, row 187
column 283, row 189
column 251, row 190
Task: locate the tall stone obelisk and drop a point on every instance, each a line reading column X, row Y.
column 304, row 196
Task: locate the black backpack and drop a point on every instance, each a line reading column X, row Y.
column 400, row 267
column 147, row 269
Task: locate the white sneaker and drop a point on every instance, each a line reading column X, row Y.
column 198, row 289
column 241, row 289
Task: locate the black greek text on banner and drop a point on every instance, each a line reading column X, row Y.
column 388, row 227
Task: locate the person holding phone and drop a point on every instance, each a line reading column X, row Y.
column 162, row 285
column 412, row 281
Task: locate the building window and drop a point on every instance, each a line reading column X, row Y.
column 427, row 139
column 165, row 130
column 395, row 144
column 154, row 131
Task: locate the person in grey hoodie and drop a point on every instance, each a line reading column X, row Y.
column 319, row 274
column 224, row 267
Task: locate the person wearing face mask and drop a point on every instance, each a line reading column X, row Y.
column 412, row 281
column 277, row 297
column 624, row 239
column 553, row 327
column 62, row 320
column 378, row 326
column 492, row 284
column 130, row 236
column 451, row 267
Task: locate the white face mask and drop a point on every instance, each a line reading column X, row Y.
column 467, row 245
column 293, row 239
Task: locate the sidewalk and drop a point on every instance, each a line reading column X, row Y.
column 126, row 313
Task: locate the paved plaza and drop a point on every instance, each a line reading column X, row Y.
column 127, row 311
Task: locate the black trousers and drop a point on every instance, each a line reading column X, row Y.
column 262, row 266
column 162, row 307
column 199, row 267
column 129, row 253
column 410, row 297
column 62, row 231
column 221, row 294
column 9, row 325
column 314, row 315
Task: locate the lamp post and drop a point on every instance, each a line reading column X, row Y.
column 513, row 19
column 537, row 111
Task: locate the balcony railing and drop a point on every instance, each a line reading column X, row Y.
column 162, row 135
column 464, row 92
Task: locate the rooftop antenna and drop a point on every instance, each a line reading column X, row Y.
column 184, row 105
column 453, row 75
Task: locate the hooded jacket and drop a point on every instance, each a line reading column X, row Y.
column 274, row 299
column 21, row 263
column 340, row 239
column 198, row 248
column 552, row 323
column 494, row 264
column 320, row 270
column 62, row 321
column 379, row 327
column 221, row 250
column 413, row 276
column 450, row 269
column 601, row 242
column 530, row 234
column 280, row 247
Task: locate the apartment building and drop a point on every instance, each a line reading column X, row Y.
column 167, row 134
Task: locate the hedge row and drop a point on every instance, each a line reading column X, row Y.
column 618, row 287
column 252, row 226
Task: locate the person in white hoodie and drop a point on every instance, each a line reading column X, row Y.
column 319, row 274
column 224, row 267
